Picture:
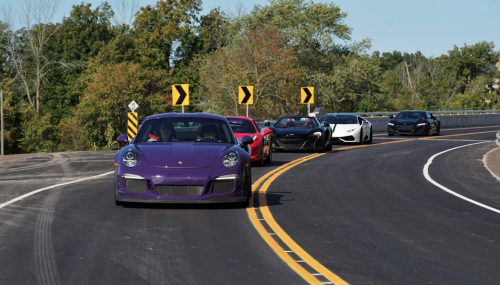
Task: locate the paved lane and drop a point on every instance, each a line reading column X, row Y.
column 367, row 214
column 75, row 234
column 370, row 216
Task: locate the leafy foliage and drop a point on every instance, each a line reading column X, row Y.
column 67, row 85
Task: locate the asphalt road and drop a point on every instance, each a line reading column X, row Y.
column 366, row 214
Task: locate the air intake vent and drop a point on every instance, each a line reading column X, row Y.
column 136, row 186
column 223, row 186
column 169, row 190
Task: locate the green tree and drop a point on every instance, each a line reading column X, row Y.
column 109, row 91
column 159, row 27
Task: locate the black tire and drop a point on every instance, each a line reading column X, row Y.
column 248, row 189
column 391, row 135
column 438, row 130
column 428, row 130
column 115, row 192
column 261, row 161
column 371, row 136
column 361, row 137
column 269, row 157
column 329, row 146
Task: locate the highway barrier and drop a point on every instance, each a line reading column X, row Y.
column 461, row 119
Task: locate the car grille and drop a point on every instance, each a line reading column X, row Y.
column 183, row 190
column 348, row 138
column 223, row 186
column 404, row 128
column 136, row 186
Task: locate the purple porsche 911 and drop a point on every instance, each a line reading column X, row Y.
column 183, row 158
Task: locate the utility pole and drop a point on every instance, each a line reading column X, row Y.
column 1, row 120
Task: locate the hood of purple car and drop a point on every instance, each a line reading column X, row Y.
column 182, row 155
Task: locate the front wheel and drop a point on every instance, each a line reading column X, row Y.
column 371, row 136
column 361, row 137
column 428, row 130
column 329, row 146
column 391, row 135
column 438, row 130
column 269, row 157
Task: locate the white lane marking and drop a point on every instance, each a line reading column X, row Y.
column 299, row 261
column 273, row 234
column 316, row 274
column 47, row 188
column 486, row 165
column 428, row 177
column 288, row 251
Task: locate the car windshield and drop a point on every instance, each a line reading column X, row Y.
column 184, row 130
column 296, row 122
column 341, row 119
column 246, row 128
column 411, row 116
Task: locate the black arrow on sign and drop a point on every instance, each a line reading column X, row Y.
column 247, row 95
column 182, row 94
column 309, row 95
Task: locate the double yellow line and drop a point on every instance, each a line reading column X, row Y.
column 263, row 220
column 281, row 243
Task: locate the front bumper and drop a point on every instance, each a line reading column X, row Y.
column 414, row 129
column 198, row 185
column 307, row 143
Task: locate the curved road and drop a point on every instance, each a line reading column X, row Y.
column 365, row 214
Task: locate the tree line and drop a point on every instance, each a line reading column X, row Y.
column 67, row 84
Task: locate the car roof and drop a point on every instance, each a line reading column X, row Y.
column 239, row 117
column 186, row 115
column 335, row 114
column 411, row 111
column 298, row 116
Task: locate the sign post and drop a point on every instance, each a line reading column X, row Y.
column 180, row 95
column 307, row 97
column 133, row 121
column 1, row 119
column 245, row 95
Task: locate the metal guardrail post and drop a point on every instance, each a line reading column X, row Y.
column 1, row 121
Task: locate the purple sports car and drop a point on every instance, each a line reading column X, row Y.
column 184, row 158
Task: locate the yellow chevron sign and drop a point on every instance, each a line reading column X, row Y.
column 132, row 126
column 307, row 95
column 180, row 94
column 245, row 95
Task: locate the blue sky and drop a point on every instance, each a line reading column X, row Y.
column 430, row 26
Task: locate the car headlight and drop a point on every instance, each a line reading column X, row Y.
column 130, row 159
column 230, row 159
column 318, row 134
column 421, row 124
column 350, row 131
column 390, row 124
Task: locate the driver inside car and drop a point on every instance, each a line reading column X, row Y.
column 208, row 133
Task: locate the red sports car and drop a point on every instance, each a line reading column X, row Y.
column 261, row 146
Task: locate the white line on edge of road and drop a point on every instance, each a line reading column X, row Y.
column 427, row 176
column 47, row 188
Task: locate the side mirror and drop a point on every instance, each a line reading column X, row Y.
column 267, row 131
column 391, row 117
column 365, row 123
column 122, row 139
column 246, row 140
column 267, row 124
column 326, row 124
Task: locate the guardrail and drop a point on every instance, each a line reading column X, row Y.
column 449, row 119
column 452, row 112
column 498, row 139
